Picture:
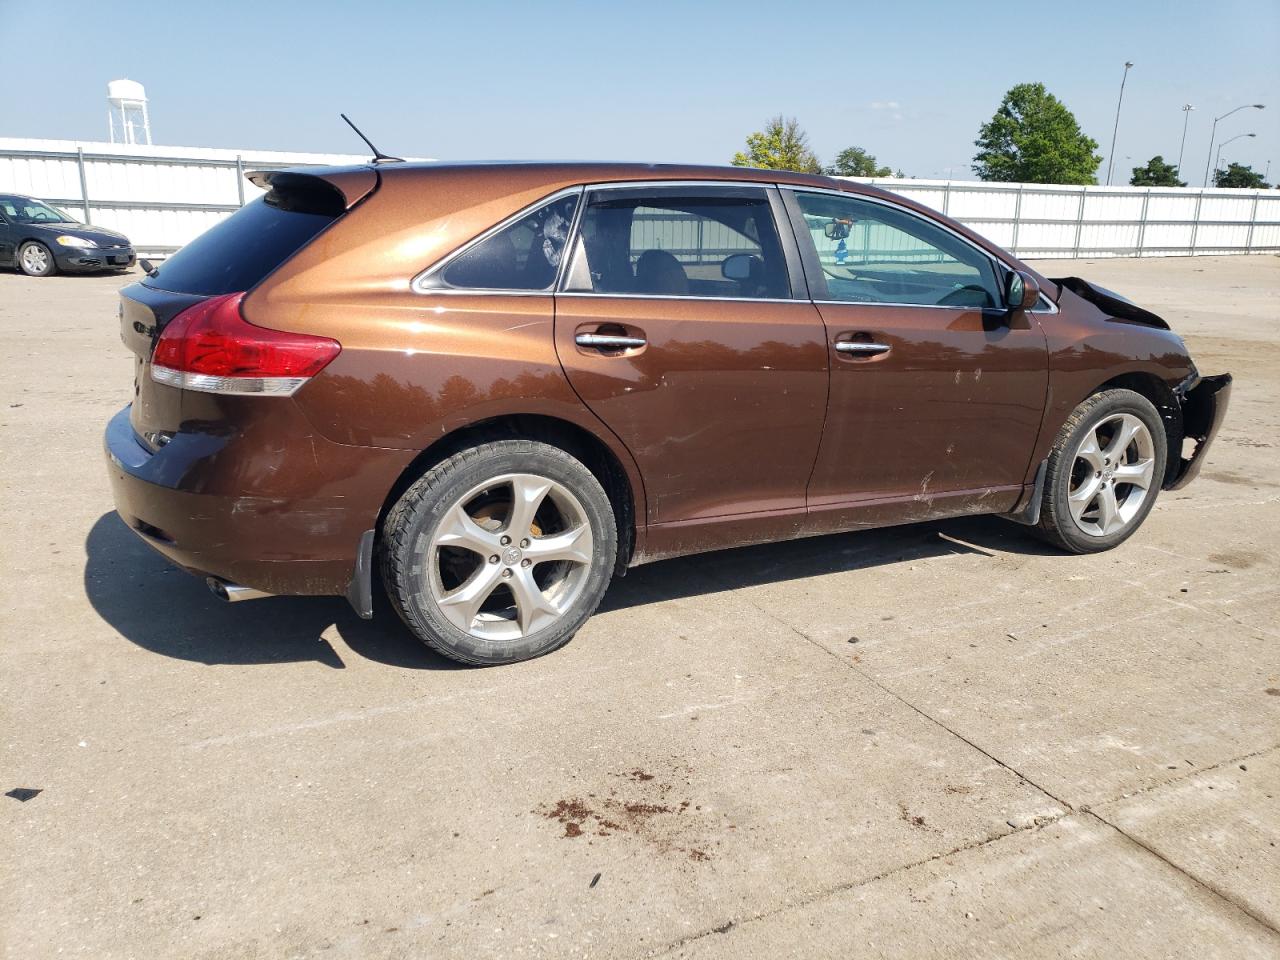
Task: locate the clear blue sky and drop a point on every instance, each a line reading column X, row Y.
column 656, row 80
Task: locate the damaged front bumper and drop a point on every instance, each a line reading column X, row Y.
column 1204, row 402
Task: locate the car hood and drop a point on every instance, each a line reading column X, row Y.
column 1119, row 307
column 99, row 235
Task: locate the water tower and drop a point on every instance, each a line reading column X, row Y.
column 127, row 119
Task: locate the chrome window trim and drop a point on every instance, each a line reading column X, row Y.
column 914, row 306
column 580, row 190
column 648, row 184
column 931, row 306
column 1053, row 307
column 665, row 296
column 764, row 185
column 419, row 282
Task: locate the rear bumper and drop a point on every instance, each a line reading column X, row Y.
column 1204, row 407
column 89, row 260
column 287, row 543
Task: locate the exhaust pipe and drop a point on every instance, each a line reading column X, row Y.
column 233, row 592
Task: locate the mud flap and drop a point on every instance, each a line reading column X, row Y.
column 1030, row 512
column 1204, row 406
column 360, row 590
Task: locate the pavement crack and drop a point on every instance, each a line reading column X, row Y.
column 834, row 890
column 903, row 700
column 1182, row 778
column 1209, row 887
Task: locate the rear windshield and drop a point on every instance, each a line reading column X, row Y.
column 237, row 253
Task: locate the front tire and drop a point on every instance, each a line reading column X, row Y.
column 499, row 553
column 1104, row 472
column 35, row 260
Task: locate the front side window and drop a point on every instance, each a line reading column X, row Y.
column 524, row 255
column 872, row 253
column 679, row 242
column 24, row 210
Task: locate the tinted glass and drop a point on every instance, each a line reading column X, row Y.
column 238, row 252
column 524, row 255
column 871, row 253
column 679, row 245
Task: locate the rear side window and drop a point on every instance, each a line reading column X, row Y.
column 237, row 253
column 524, row 255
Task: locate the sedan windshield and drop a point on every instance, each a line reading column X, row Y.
column 24, row 210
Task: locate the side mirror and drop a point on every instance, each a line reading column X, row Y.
column 836, row 229
column 737, row 267
column 1021, row 292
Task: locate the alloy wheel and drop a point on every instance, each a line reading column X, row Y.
column 510, row 557
column 1111, row 475
column 35, row 259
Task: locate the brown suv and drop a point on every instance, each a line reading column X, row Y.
column 503, row 384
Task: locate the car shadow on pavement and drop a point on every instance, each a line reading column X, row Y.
column 160, row 608
column 163, row 609
column 816, row 556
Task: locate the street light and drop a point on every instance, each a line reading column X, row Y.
column 1186, row 115
column 1111, row 158
column 1217, row 163
column 1214, row 133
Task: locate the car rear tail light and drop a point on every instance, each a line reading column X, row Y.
column 211, row 347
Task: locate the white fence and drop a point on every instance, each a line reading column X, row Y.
column 1042, row 220
column 162, row 197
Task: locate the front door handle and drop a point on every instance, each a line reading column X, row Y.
column 608, row 341
column 860, row 348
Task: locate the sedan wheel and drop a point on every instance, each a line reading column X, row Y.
column 1104, row 472
column 500, row 552
column 35, row 260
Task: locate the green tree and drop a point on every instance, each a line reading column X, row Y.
column 856, row 162
column 1240, row 175
column 1156, row 173
column 1034, row 138
column 782, row 146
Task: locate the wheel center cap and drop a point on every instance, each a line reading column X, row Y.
column 511, row 556
column 1109, row 474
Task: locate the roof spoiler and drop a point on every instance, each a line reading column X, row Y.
column 345, row 185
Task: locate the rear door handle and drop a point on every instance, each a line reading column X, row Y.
column 857, row 347
column 608, row 341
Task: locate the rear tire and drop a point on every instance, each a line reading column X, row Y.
column 499, row 553
column 35, row 260
column 1104, row 472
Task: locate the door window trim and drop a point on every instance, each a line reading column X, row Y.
column 746, row 189
column 808, row 254
column 785, row 210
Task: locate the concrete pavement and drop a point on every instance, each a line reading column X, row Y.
column 942, row 740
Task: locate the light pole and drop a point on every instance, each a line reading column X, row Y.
column 1214, row 133
column 1218, row 162
column 1111, row 158
column 1186, row 115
